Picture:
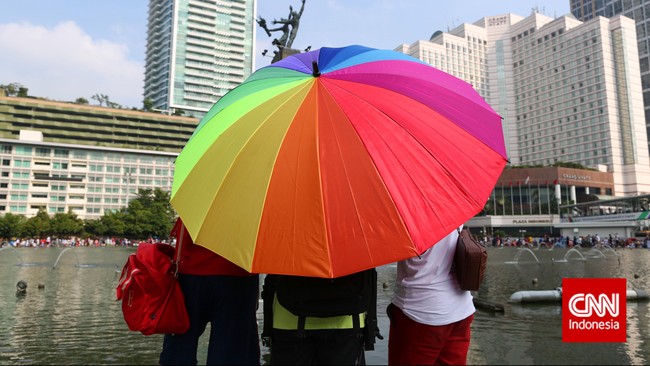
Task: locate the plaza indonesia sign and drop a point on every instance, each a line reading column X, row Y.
column 594, row 309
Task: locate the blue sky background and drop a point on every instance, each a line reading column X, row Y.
column 65, row 49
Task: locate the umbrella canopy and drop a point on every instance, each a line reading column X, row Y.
column 337, row 160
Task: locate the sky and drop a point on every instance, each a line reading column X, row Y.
column 67, row 49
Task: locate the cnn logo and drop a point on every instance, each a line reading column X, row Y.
column 594, row 310
column 584, row 305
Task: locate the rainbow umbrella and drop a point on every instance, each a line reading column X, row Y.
column 337, row 160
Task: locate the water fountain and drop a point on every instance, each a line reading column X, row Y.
column 61, row 254
column 573, row 250
column 15, row 253
column 520, row 251
column 606, row 248
column 595, row 253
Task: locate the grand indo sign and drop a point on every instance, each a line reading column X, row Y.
column 575, row 176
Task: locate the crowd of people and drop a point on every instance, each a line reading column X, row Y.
column 582, row 241
column 48, row 241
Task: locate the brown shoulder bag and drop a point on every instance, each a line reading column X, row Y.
column 470, row 261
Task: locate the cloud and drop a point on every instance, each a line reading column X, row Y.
column 64, row 63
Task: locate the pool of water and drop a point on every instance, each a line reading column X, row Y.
column 74, row 318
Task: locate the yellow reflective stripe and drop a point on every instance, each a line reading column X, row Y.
column 285, row 320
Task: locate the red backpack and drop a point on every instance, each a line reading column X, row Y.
column 152, row 300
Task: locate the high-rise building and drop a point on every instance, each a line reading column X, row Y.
column 568, row 91
column 197, row 51
column 639, row 10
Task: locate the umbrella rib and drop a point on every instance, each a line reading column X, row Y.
column 354, row 200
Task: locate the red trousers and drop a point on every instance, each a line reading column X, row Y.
column 413, row 343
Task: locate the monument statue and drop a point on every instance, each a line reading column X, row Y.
column 288, row 26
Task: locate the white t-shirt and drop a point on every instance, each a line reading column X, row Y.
column 427, row 290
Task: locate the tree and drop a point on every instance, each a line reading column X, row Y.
column 101, row 99
column 93, row 227
column 15, row 90
column 113, row 104
column 66, row 224
column 11, row 225
column 81, row 100
column 22, row 92
column 147, row 105
column 39, row 225
column 149, row 214
column 500, row 233
column 114, row 223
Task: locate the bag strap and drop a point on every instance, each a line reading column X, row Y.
column 463, row 233
column 179, row 244
column 268, row 294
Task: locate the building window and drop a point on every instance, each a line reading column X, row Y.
column 23, row 150
column 20, row 175
column 112, row 169
column 60, row 153
column 97, row 156
column 42, row 152
column 17, row 208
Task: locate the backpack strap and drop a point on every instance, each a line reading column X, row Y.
column 179, row 243
column 300, row 330
column 356, row 321
column 371, row 330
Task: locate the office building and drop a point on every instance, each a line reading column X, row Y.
column 639, row 10
column 90, row 160
column 568, row 91
column 197, row 51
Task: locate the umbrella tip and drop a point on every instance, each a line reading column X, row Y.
column 316, row 72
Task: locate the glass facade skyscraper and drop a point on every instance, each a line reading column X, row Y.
column 197, row 51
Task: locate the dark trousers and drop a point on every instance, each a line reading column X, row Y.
column 229, row 304
column 318, row 347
